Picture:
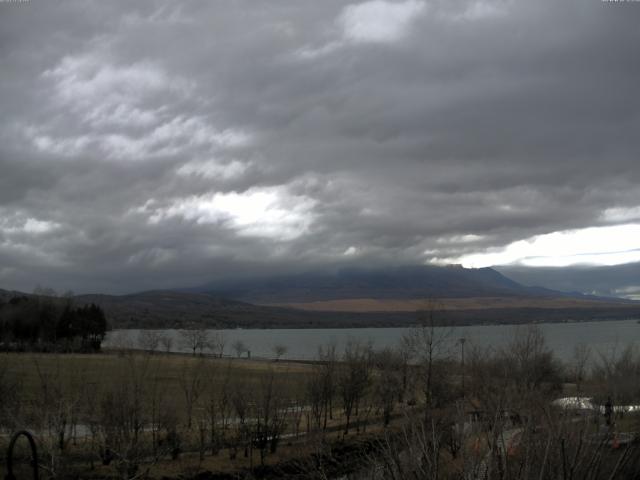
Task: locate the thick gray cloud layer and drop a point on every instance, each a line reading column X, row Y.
column 154, row 144
column 614, row 281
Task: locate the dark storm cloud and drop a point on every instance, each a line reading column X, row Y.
column 162, row 144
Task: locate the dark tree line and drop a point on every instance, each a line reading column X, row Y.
column 45, row 323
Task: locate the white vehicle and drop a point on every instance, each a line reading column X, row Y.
column 578, row 404
column 585, row 404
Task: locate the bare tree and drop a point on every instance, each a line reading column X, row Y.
column 328, row 377
column 388, row 381
column 279, row 350
column 122, row 417
column 166, row 341
column 315, row 396
column 531, row 361
column 10, row 393
column 405, row 353
column 148, row 340
column 217, row 344
column 579, row 365
column 122, row 341
column 55, row 410
column 239, row 395
column 217, row 404
column 270, row 414
column 239, row 347
column 195, row 340
column 192, row 383
column 296, row 411
column 155, row 407
column 618, row 374
column 354, row 378
column 430, row 343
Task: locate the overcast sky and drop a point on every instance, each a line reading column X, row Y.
column 163, row 144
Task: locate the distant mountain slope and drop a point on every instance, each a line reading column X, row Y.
column 176, row 309
column 5, row 295
column 449, row 304
column 608, row 281
column 353, row 298
column 171, row 309
column 413, row 282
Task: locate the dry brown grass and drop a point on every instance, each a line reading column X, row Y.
column 369, row 305
column 100, row 370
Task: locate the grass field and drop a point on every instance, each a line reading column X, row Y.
column 32, row 371
column 136, row 404
column 45, row 392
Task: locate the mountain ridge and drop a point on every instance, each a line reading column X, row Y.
column 393, row 297
column 404, row 282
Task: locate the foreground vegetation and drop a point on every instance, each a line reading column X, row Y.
column 413, row 412
column 46, row 323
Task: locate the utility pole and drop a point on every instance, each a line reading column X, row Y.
column 462, row 340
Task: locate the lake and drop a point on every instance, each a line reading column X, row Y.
column 302, row 344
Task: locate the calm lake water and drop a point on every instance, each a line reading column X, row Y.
column 302, row 344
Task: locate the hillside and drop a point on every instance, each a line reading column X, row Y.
column 165, row 309
column 354, row 298
column 449, row 304
column 409, row 282
column 171, row 309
